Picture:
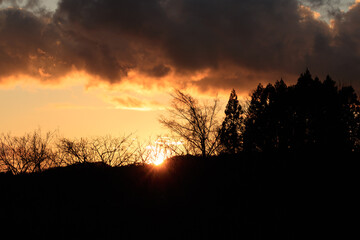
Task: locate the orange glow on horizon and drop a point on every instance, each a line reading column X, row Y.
column 162, row 149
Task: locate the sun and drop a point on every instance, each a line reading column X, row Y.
column 156, row 155
column 159, row 159
column 162, row 149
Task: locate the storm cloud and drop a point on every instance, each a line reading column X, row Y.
column 237, row 43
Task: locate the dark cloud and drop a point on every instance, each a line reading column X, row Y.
column 29, row 45
column 159, row 71
column 237, row 42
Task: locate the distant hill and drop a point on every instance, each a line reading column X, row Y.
column 247, row 196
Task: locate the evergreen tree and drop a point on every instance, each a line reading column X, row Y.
column 310, row 115
column 232, row 126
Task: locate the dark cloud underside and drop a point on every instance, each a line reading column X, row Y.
column 235, row 41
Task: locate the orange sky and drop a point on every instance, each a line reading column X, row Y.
column 76, row 109
column 73, row 109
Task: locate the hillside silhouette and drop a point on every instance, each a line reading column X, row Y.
column 250, row 196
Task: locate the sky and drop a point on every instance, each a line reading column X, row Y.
column 98, row 67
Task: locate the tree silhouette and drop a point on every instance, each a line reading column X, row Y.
column 197, row 124
column 113, row 151
column 232, row 126
column 261, row 133
column 309, row 115
column 29, row 153
column 350, row 116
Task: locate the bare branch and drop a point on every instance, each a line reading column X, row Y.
column 196, row 124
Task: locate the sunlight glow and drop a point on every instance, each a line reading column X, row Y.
column 306, row 12
column 162, row 149
column 156, row 155
column 354, row 5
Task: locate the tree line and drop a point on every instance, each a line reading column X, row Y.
column 311, row 115
column 35, row 152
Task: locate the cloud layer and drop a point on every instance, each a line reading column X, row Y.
column 225, row 43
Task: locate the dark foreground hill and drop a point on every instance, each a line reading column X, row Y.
column 258, row 196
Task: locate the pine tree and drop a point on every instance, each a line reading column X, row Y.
column 232, row 126
column 310, row 115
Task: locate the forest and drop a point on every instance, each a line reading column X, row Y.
column 283, row 166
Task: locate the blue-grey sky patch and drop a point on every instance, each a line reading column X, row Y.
column 49, row 5
column 328, row 8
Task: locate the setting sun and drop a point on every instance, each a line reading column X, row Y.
column 156, row 154
column 160, row 158
column 162, row 149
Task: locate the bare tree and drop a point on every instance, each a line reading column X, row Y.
column 173, row 146
column 30, row 153
column 76, row 151
column 114, row 151
column 196, row 123
column 143, row 156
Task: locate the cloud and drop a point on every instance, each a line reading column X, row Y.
column 237, row 43
column 132, row 103
column 33, row 5
column 30, row 44
column 329, row 8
